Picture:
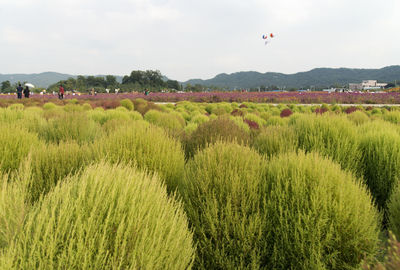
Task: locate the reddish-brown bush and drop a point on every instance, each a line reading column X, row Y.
column 286, row 113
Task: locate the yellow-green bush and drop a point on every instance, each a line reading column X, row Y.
column 15, row 144
column 223, row 200
column 13, row 208
column 331, row 136
column 70, row 126
column 318, row 216
column 199, row 119
column 393, row 210
column 380, row 161
column 127, row 103
column 358, row 117
column 148, row 147
column 212, row 131
column 110, row 217
column 50, row 163
column 171, row 122
column 274, row 140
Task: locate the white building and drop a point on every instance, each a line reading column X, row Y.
column 367, row 85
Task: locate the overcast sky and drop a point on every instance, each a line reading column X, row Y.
column 187, row 39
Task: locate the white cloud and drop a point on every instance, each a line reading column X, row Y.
column 188, row 38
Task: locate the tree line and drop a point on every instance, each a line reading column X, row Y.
column 138, row 81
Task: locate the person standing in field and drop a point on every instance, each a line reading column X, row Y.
column 26, row 92
column 19, row 91
column 61, row 92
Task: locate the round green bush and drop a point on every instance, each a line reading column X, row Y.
column 318, row 216
column 49, row 106
column 274, row 140
column 148, row 147
column 199, row 119
column 127, row 103
column 380, row 161
column 15, row 144
column 221, row 191
column 13, row 208
column 70, row 126
column 50, row 163
column 110, row 217
column 393, row 211
column 358, row 117
column 331, row 136
column 212, row 131
column 171, row 122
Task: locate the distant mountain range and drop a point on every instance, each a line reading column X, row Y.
column 319, row 77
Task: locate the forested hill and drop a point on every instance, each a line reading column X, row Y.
column 319, row 77
column 43, row 79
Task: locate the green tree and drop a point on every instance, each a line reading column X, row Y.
column 111, row 81
column 173, row 84
column 5, row 86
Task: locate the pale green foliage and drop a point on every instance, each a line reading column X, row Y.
column 380, row 160
column 191, row 127
column 127, row 103
column 49, row 106
column 240, row 123
column 13, row 208
column 331, row 136
column 276, row 121
column 221, row 190
column 199, row 119
column 358, row 117
column 148, row 147
column 171, row 122
column 15, row 144
column 50, row 163
column 394, row 210
column 393, row 117
column 110, row 217
column 72, row 108
column 274, row 140
column 319, row 217
column 70, row 126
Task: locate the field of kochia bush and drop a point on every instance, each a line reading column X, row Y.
column 198, row 185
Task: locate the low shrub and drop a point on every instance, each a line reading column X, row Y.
column 212, row 131
column 221, row 191
column 380, row 162
column 358, row 117
column 127, row 103
column 318, row 216
column 49, row 106
column 253, row 117
column 147, row 146
column 274, row 140
column 15, row 144
column 331, row 136
column 50, row 163
column 110, row 217
column 13, row 209
column 171, row 122
column 393, row 210
column 286, row 113
column 199, row 119
column 71, row 126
